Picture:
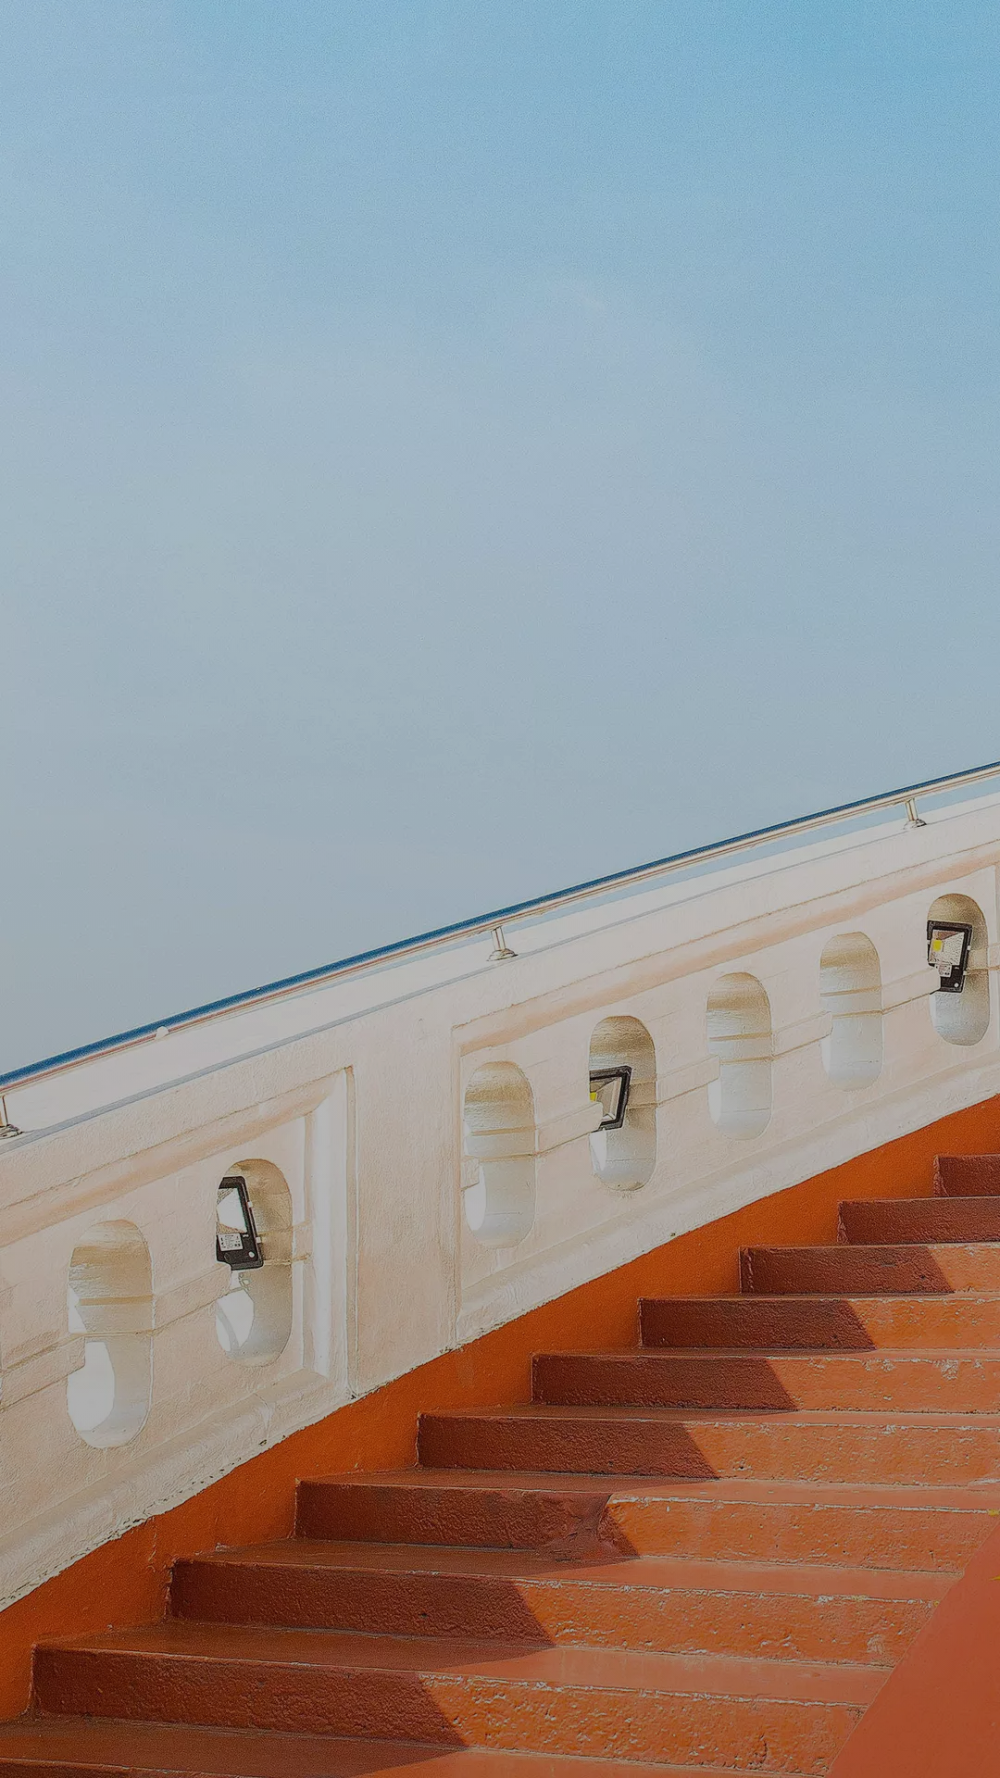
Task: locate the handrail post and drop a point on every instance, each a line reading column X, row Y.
column 911, row 810
column 503, row 950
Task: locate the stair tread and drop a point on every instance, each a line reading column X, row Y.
column 668, row 1416
column 659, row 1572
column 903, row 1248
column 848, row 1298
column 604, row 1669
column 82, row 1743
column 924, row 1198
column 780, row 1354
column 976, row 1496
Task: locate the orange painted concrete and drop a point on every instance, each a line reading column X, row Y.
column 938, row 1715
column 124, row 1583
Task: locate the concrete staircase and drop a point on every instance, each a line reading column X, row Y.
column 702, row 1557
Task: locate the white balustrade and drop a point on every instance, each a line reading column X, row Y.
column 421, row 1153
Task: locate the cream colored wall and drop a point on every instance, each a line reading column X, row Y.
column 355, row 1092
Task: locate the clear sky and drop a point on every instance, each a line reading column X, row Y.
column 455, row 447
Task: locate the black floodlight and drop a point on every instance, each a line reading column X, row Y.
column 236, row 1242
column 609, row 1088
column 948, row 946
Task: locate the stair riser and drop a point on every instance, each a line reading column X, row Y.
column 672, row 1619
column 759, row 1735
column 933, row 1456
column 487, row 1518
column 387, row 1604
column 850, row 1537
column 870, row 1271
column 875, row 1220
column 905, row 1324
column 907, row 1385
column 967, row 1176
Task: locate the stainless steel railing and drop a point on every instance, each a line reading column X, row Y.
column 493, row 924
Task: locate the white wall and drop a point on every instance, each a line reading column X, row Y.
column 355, row 1093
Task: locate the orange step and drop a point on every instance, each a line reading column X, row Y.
column 75, row 1746
column 967, row 1175
column 733, row 1519
column 924, row 1382
column 931, row 1270
column 744, row 1714
column 936, row 1449
column 920, row 1219
column 680, row 1606
column 823, row 1324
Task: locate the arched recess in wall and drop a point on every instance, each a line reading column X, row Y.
column 739, row 1033
column 626, row 1157
column 254, row 1318
column 964, row 1018
column 111, row 1302
column 850, row 987
column 499, row 1134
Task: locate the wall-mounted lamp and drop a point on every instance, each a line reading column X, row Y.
column 948, row 946
column 609, row 1088
column 236, row 1242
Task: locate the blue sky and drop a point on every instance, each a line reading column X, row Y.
column 452, row 449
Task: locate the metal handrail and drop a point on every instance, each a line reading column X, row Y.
column 493, row 923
